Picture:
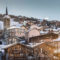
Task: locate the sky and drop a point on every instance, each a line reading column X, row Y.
column 32, row 8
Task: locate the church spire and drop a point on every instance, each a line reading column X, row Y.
column 6, row 10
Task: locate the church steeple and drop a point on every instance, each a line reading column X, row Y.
column 6, row 10
column 6, row 18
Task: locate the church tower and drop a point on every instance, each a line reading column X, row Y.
column 6, row 20
column 6, row 11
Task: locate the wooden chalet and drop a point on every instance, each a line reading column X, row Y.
column 51, row 49
column 18, row 51
column 34, row 50
column 47, row 38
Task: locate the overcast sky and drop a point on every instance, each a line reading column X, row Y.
column 32, row 8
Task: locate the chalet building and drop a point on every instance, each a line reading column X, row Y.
column 46, row 38
column 13, row 34
column 32, row 51
column 52, row 49
column 16, row 31
column 17, row 51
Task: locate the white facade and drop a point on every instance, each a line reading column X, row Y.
column 33, row 32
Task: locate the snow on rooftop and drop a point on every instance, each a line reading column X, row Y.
column 12, row 27
column 6, row 16
column 55, row 29
column 19, row 25
column 32, row 45
column 35, row 26
column 6, row 46
column 43, row 32
column 22, row 41
column 15, row 24
column 58, row 39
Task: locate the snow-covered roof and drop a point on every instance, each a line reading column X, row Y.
column 43, row 32
column 6, row 46
column 22, row 41
column 48, row 29
column 12, row 27
column 32, row 45
column 35, row 26
column 6, row 16
column 14, row 23
column 19, row 25
column 55, row 29
column 58, row 39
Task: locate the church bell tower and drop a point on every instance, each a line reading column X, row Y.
column 6, row 20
